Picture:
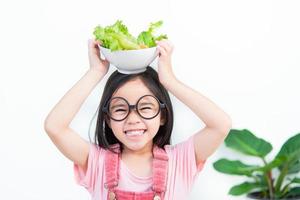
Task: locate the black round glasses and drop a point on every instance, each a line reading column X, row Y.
column 148, row 107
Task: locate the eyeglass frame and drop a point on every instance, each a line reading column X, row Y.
column 161, row 106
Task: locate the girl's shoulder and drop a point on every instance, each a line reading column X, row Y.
column 97, row 148
column 184, row 144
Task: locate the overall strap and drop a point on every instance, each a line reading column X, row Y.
column 112, row 167
column 160, row 170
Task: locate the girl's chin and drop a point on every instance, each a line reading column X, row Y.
column 135, row 147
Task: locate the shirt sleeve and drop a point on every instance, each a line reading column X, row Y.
column 184, row 155
column 87, row 178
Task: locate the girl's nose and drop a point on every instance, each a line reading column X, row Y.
column 133, row 116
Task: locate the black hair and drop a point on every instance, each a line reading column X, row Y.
column 104, row 136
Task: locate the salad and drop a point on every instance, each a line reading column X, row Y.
column 117, row 37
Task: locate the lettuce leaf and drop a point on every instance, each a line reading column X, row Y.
column 117, row 37
column 147, row 37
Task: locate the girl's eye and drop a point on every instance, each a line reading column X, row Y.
column 120, row 110
column 145, row 108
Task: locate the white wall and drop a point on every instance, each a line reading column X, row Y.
column 243, row 55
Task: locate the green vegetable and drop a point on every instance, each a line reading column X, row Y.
column 117, row 37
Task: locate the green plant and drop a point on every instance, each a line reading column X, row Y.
column 262, row 181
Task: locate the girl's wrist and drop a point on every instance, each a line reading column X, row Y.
column 167, row 81
column 96, row 73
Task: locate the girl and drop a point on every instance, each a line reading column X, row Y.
column 131, row 157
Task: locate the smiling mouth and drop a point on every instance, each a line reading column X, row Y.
column 135, row 133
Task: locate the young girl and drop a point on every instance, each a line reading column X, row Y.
column 131, row 157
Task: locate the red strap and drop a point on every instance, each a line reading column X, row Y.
column 112, row 167
column 160, row 170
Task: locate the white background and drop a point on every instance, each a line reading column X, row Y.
column 243, row 55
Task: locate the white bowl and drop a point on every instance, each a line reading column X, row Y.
column 130, row 61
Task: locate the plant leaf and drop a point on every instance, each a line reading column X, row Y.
column 274, row 163
column 294, row 192
column 295, row 168
column 247, row 143
column 291, row 151
column 243, row 188
column 296, row 180
column 234, row 167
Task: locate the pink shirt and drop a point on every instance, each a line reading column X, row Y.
column 182, row 173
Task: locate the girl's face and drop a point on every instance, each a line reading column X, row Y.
column 133, row 141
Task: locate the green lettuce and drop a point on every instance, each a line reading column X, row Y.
column 117, row 37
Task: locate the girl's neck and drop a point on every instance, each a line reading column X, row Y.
column 145, row 152
column 138, row 162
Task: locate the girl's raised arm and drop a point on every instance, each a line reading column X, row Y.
column 218, row 123
column 58, row 120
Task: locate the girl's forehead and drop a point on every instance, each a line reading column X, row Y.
column 132, row 90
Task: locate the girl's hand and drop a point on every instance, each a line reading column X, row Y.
column 165, row 49
column 96, row 62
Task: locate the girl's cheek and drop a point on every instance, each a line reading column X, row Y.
column 154, row 126
column 116, row 128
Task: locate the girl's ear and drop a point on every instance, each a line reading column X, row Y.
column 163, row 119
column 162, row 122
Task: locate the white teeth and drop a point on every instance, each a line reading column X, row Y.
column 132, row 133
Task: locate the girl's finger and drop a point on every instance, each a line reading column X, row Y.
column 162, row 51
column 166, row 46
column 98, row 42
column 94, row 43
column 165, row 41
column 170, row 44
